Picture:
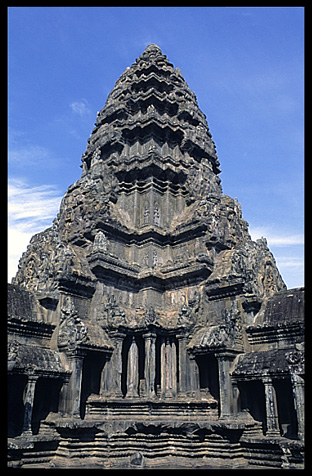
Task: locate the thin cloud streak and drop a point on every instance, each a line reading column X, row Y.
column 30, row 210
column 80, row 107
column 274, row 239
column 29, row 155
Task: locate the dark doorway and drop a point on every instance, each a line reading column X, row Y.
column 287, row 417
column 91, row 377
column 45, row 401
column 208, row 374
column 252, row 399
column 16, row 387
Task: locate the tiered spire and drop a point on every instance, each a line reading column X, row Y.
column 151, row 108
column 150, row 184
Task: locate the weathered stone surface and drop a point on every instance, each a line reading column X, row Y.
column 145, row 316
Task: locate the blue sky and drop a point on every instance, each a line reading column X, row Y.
column 245, row 65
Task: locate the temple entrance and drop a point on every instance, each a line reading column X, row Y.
column 149, row 366
column 91, row 377
column 286, row 410
column 208, row 375
column 16, row 387
column 252, row 399
column 45, row 401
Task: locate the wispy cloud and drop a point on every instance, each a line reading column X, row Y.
column 31, row 209
column 290, row 262
column 80, row 107
column 29, row 155
column 275, row 239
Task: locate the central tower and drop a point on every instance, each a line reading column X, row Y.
column 144, row 293
column 147, row 247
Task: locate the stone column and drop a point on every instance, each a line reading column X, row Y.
column 298, row 392
column 106, row 377
column 163, row 366
column 150, row 364
column 168, row 363
column 116, row 367
column 225, row 384
column 270, row 408
column 168, row 357
column 183, row 365
column 133, row 370
column 194, row 377
column 173, row 367
column 74, row 387
column 29, row 403
column 236, row 393
column 188, row 369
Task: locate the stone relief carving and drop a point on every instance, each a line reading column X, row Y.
column 100, row 242
column 146, row 214
column 115, row 314
column 150, row 316
column 156, row 215
column 72, row 330
column 296, row 361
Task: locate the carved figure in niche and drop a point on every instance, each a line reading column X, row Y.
column 146, row 260
column 155, row 258
column 30, row 270
column 150, row 316
column 100, row 242
column 72, row 330
column 156, row 216
column 182, row 253
column 231, row 322
column 146, row 215
column 66, row 257
column 185, row 316
column 115, row 314
column 96, row 155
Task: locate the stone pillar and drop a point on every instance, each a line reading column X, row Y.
column 133, row 370
column 183, row 365
column 163, row 366
column 150, row 364
column 29, row 403
column 188, row 369
column 194, row 377
column 298, row 393
column 173, row 367
column 225, row 384
column 74, row 386
column 106, row 377
column 168, row 357
column 168, row 367
column 116, row 367
column 236, row 393
column 270, row 407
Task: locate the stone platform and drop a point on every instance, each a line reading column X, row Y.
column 150, row 409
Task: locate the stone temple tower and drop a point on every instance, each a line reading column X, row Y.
column 146, row 328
